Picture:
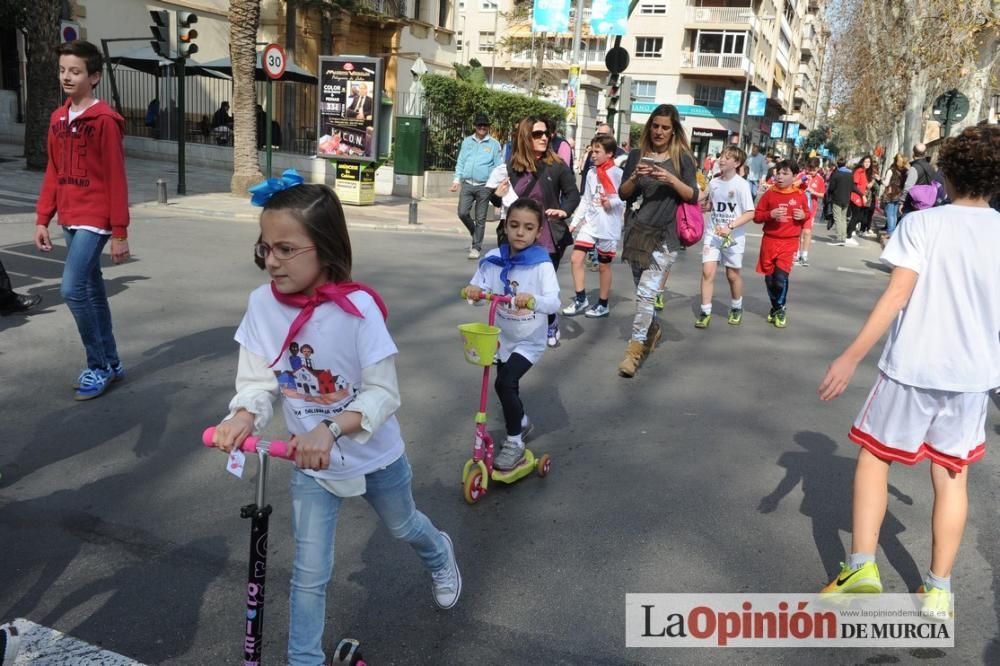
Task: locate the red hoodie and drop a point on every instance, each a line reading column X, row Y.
column 85, row 180
column 788, row 226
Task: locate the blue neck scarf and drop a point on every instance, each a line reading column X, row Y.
column 529, row 256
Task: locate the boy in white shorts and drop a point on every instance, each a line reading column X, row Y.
column 939, row 364
column 599, row 220
column 731, row 206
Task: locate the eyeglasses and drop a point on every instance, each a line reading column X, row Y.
column 281, row 252
column 538, row 134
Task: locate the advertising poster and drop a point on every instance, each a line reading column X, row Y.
column 572, row 92
column 792, row 131
column 609, row 17
column 732, row 102
column 349, row 101
column 757, row 104
column 776, row 130
column 550, row 16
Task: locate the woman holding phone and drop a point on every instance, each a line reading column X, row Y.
column 657, row 177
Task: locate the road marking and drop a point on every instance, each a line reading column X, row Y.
column 17, row 204
column 28, row 196
column 41, row 646
column 859, row 271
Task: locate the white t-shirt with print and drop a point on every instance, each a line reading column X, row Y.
column 522, row 331
column 729, row 199
column 324, row 375
column 948, row 335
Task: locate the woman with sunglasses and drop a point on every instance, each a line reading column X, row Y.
column 536, row 172
column 659, row 175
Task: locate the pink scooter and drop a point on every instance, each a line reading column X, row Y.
column 259, row 513
column 479, row 469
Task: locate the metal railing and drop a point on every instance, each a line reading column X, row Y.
column 393, row 8
column 294, row 121
column 715, row 61
column 741, row 15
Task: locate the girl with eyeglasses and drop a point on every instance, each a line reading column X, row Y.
column 535, row 172
column 658, row 177
column 339, row 398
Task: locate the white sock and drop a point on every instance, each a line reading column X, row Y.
column 515, row 439
column 706, row 308
column 524, row 421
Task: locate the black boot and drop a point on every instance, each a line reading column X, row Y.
column 20, row 303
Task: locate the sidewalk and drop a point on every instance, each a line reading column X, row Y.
column 208, row 195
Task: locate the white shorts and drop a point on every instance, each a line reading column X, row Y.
column 731, row 257
column 604, row 246
column 907, row 424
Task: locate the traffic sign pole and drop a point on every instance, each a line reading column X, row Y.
column 274, row 61
column 267, row 126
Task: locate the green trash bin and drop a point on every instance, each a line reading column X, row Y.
column 411, row 146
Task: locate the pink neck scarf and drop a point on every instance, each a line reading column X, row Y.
column 337, row 292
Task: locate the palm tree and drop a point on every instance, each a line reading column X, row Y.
column 244, row 18
column 41, row 26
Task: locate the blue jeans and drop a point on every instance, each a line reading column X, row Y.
column 891, row 216
column 314, row 519
column 83, row 291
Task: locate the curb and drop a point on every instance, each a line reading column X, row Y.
column 421, row 228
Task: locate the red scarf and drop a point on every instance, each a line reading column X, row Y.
column 336, row 292
column 604, row 179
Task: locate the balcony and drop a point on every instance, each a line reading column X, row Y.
column 718, row 16
column 391, row 8
column 807, row 44
column 714, row 64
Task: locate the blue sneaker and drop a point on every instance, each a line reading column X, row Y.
column 118, row 372
column 93, row 383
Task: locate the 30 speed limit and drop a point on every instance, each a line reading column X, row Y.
column 274, row 61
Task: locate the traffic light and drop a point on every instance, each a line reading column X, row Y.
column 186, row 34
column 613, row 94
column 161, row 32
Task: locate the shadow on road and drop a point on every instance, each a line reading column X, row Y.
column 827, row 480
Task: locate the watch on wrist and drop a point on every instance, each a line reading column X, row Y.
column 334, row 428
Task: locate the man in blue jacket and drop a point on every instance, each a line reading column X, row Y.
column 480, row 154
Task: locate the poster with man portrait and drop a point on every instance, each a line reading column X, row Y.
column 349, row 99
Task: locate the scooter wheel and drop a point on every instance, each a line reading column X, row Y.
column 544, row 465
column 473, row 486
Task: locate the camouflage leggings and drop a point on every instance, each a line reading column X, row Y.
column 649, row 282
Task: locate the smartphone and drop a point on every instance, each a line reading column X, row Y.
column 648, row 160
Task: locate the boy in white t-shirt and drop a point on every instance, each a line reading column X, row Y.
column 599, row 220
column 731, row 206
column 939, row 364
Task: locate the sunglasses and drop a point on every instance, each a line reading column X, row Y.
column 538, row 134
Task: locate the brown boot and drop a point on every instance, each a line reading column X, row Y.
column 653, row 336
column 634, row 354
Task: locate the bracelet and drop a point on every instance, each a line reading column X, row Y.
column 334, row 427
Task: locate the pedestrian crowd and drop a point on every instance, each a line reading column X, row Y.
column 340, row 400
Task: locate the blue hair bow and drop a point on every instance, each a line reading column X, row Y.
column 262, row 192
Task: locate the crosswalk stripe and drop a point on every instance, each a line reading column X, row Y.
column 27, row 196
column 42, row 646
column 17, row 204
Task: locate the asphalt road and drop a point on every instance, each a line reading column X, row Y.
column 716, row 469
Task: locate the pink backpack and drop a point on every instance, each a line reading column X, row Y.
column 690, row 224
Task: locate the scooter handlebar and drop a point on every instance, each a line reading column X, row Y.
column 489, row 296
column 275, row 448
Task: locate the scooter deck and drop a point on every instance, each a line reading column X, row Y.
column 526, row 467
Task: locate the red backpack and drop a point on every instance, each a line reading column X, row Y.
column 690, row 224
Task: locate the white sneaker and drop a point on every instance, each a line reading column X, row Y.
column 510, row 455
column 447, row 583
column 575, row 307
column 852, row 242
column 597, row 311
column 837, row 243
column 552, row 338
column 473, row 253
column 10, row 643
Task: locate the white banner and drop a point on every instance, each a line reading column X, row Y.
column 784, row 620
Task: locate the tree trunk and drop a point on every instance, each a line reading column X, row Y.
column 913, row 131
column 43, row 90
column 244, row 18
column 288, row 101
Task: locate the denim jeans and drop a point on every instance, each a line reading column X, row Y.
column 83, row 291
column 891, row 216
column 473, row 204
column 314, row 519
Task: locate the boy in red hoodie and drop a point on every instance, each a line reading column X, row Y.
column 85, row 186
column 783, row 210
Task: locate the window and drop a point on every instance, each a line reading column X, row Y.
column 730, row 43
column 461, row 5
column 644, row 91
column 416, row 10
column 460, row 36
column 783, row 44
column 648, row 47
column 653, row 8
column 486, row 41
column 488, row 5
column 442, row 13
column 790, row 11
column 711, row 96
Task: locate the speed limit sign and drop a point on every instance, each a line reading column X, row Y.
column 274, row 61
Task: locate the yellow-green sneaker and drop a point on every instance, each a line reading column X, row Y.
column 735, row 316
column 936, row 604
column 658, row 302
column 702, row 320
column 770, row 317
column 863, row 580
column 780, row 319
